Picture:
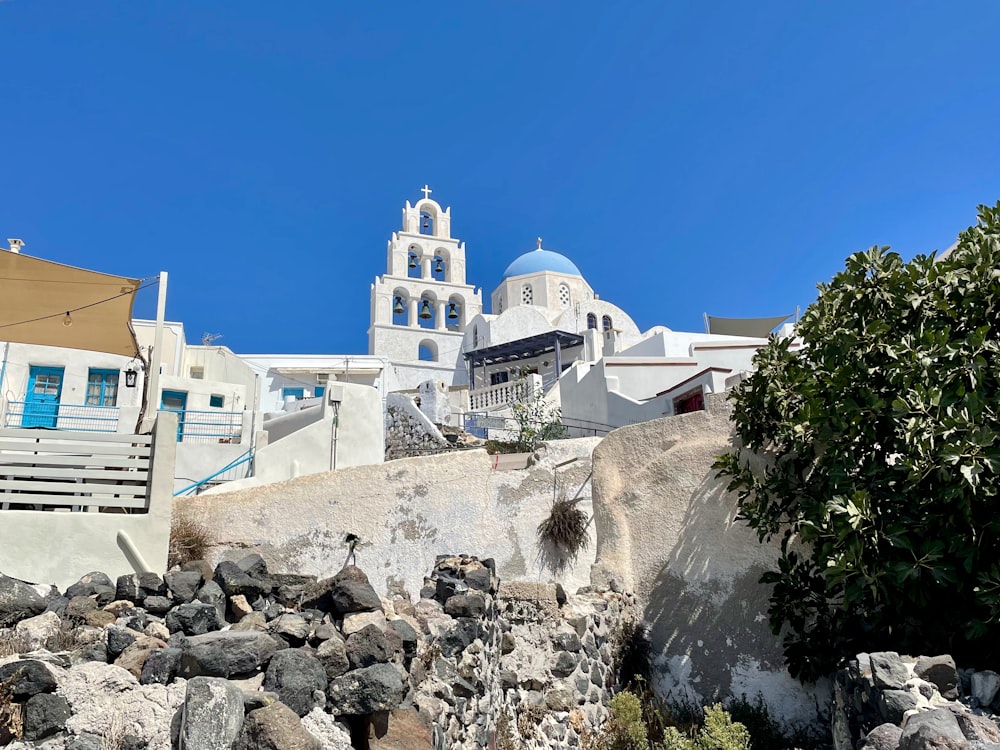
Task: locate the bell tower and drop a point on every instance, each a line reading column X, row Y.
column 420, row 306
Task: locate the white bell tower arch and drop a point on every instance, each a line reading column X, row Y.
column 422, row 303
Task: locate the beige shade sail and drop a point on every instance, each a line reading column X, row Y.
column 752, row 327
column 35, row 296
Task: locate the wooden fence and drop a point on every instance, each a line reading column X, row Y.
column 60, row 470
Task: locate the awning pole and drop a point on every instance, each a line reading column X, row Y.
column 156, row 358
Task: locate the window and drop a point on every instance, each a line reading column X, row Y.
column 606, row 322
column 499, row 305
column 216, row 401
column 102, row 388
column 527, row 296
column 496, row 378
column 427, row 351
column 475, row 337
column 197, row 373
column 591, row 320
column 298, row 393
column 318, row 391
column 564, row 297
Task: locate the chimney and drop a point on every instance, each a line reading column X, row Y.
column 16, row 245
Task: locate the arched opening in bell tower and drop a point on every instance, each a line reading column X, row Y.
column 427, row 311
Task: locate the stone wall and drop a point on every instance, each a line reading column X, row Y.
column 666, row 530
column 408, row 431
column 525, row 666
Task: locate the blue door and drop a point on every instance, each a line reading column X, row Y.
column 175, row 401
column 41, row 402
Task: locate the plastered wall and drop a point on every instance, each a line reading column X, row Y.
column 406, row 512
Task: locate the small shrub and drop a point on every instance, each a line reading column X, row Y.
column 563, row 534
column 624, row 729
column 504, row 734
column 189, row 540
column 634, row 654
column 720, row 732
column 528, row 720
column 12, row 643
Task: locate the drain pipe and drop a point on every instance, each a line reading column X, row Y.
column 335, row 395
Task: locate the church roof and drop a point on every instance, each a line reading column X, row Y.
column 540, row 260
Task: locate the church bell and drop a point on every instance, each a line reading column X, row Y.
column 425, row 309
column 452, row 312
column 427, row 222
column 439, row 266
column 398, row 307
column 413, row 261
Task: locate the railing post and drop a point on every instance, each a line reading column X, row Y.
column 161, row 463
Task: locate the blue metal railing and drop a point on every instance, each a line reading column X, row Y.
column 244, row 459
column 208, row 426
column 54, row 416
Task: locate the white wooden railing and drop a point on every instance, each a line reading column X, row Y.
column 504, row 394
column 55, row 469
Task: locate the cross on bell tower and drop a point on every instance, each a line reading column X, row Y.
column 426, row 191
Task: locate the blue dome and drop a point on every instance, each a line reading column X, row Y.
column 540, row 260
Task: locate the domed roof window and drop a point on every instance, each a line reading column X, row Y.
column 540, row 260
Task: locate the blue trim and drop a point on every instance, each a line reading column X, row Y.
column 103, row 396
column 297, row 392
column 42, row 409
column 318, row 391
column 245, row 458
column 216, row 401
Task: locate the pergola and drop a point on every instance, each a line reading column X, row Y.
column 552, row 342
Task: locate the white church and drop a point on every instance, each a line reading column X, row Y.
column 547, row 330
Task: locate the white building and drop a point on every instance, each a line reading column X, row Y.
column 589, row 356
column 421, row 306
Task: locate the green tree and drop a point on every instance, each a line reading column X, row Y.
column 536, row 422
column 873, row 452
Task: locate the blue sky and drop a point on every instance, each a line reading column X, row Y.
column 687, row 156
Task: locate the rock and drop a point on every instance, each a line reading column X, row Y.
column 253, row 621
column 254, row 566
column 210, row 593
column 160, row 666
column 360, row 620
column 564, row 664
column 78, row 606
column 941, row 672
column 98, row 618
column 364, row 691
column 459, row 636
column 332, row 654
column 119, row 607
column 366, row 647
column 119, row 639
column 932, row 730
column 465, row 605
column 157, row 630
column 894, row 703
column 103, row 695
column 405, row 730
column 275, row 727
column 567, row 640
column 27, row 677
column 239, row 606
column 44, row 715
column 331, row 734
column 183, row 585
column 85, row 741
column 407, row 635
column 157, row 605
column 888, row 670
column 292, row 627
column 227, row 653
column 18, row 601
column 234, row 580
column 348, row 591
column 559, row 699
column 976, row 728
column 193, row 619
column 296, row 677
column 96, row 585
column 882, row 737
column 134, row 657
column 984, row 686
column 212, row 715
column 36, row 632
